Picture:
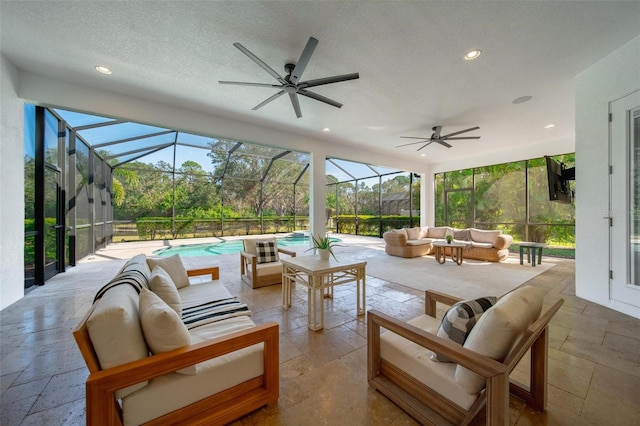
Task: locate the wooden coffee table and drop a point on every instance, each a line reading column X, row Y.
column 455, row 251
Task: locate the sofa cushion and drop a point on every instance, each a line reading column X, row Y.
column 163, row 328
column 194, row 294
column 459, row 320
column 461, row 235
column 420, row 242
column 498, row 330
column 401, row 231
column 267, row 251
column 424, row 232
column 414, row 360
column 438, row 232
column 414, row 233
column 173, row 391
column 174, row 267
column 141, row 261
column 161, row 284
column 481, row 245
column 483, row 236
column 115, row 332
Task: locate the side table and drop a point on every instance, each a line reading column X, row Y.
column 531, row 248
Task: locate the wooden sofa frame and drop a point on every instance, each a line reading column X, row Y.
column 429, row 407
column 248, row 270
column 217, row 409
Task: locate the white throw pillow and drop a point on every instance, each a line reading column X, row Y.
column 163, row 286
column 174, row 267
column 163, row 329
column 498, row 329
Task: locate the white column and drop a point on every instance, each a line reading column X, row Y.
column 317, row 193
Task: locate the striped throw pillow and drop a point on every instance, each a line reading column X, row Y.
column 459, row 321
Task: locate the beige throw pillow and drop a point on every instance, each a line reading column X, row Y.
column 162, row 327
column 498, row 329
column 163, row 286
column 173, row 266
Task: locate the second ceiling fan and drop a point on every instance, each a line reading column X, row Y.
column 290, row 83
column 438, row 138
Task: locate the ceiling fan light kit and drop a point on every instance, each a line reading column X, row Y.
column 290, row 83
column 438, row 138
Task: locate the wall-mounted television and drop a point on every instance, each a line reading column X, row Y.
column 558, row 177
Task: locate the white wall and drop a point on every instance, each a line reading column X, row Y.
column 611, row 78
column 11, row 189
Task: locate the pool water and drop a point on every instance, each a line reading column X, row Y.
column 225, row 247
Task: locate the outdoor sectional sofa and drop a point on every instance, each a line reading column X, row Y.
column 487, row 245
column 162, row 348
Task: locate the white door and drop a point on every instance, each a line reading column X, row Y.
column 624, row 236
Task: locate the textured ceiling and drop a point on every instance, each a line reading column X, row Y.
column 408, row 54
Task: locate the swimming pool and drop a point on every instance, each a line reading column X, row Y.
column 225, row 247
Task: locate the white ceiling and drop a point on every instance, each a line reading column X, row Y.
column 409, row 56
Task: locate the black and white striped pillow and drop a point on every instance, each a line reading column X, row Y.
column 460, row 319
column 267, row 251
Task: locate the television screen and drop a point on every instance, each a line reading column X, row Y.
column 557, row 178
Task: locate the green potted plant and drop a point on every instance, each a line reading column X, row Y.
column 449, row 238
column 324, row 246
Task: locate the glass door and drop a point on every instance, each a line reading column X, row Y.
column 624, row 210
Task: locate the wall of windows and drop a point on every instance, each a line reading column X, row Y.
column 513, row 197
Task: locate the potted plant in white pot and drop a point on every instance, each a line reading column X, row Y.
column 324, row 247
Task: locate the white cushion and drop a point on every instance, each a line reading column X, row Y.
column 195, row 293
column 424, row 231
column 498, row 330
column 482, row 236
column 400, row 231
column 163, row 328
column 161, row 284
column 414, row 233
column 116, row 335
column 420, row 242
column 250, row 244
column 174, row 267
column 268, row 269
column 172, row 391
column 416, row 362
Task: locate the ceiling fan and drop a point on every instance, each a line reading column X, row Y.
column 290, row 83
column 438, row 138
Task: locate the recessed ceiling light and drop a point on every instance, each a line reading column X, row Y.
column 326, row 129
column 548, row 126
column 423, row 155
column 472, row 54
column 522, row 99
column 103, row 70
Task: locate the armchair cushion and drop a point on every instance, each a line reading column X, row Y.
column 413, row 359
column 499, row 329
column 459, row 320
column 266, row 252
column 174, row 267
column 163, row 328
column 162, row 285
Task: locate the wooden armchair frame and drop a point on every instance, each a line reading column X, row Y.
column 217, row 409
column 426, row 404
column 248, row 270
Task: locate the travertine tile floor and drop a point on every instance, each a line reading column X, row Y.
column 594, row 376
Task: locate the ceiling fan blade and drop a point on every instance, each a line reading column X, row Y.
column 413, row 143
column 461, row 131
column 425, row 145
column 415, row 137
column 328, row 80
column 269, row 99
column 443, row 143
column 259, row 61
column 304, row 60
column 436, row 132
column 320, row 98
column 460, row 138
column 242, row 83
column 296, row 104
